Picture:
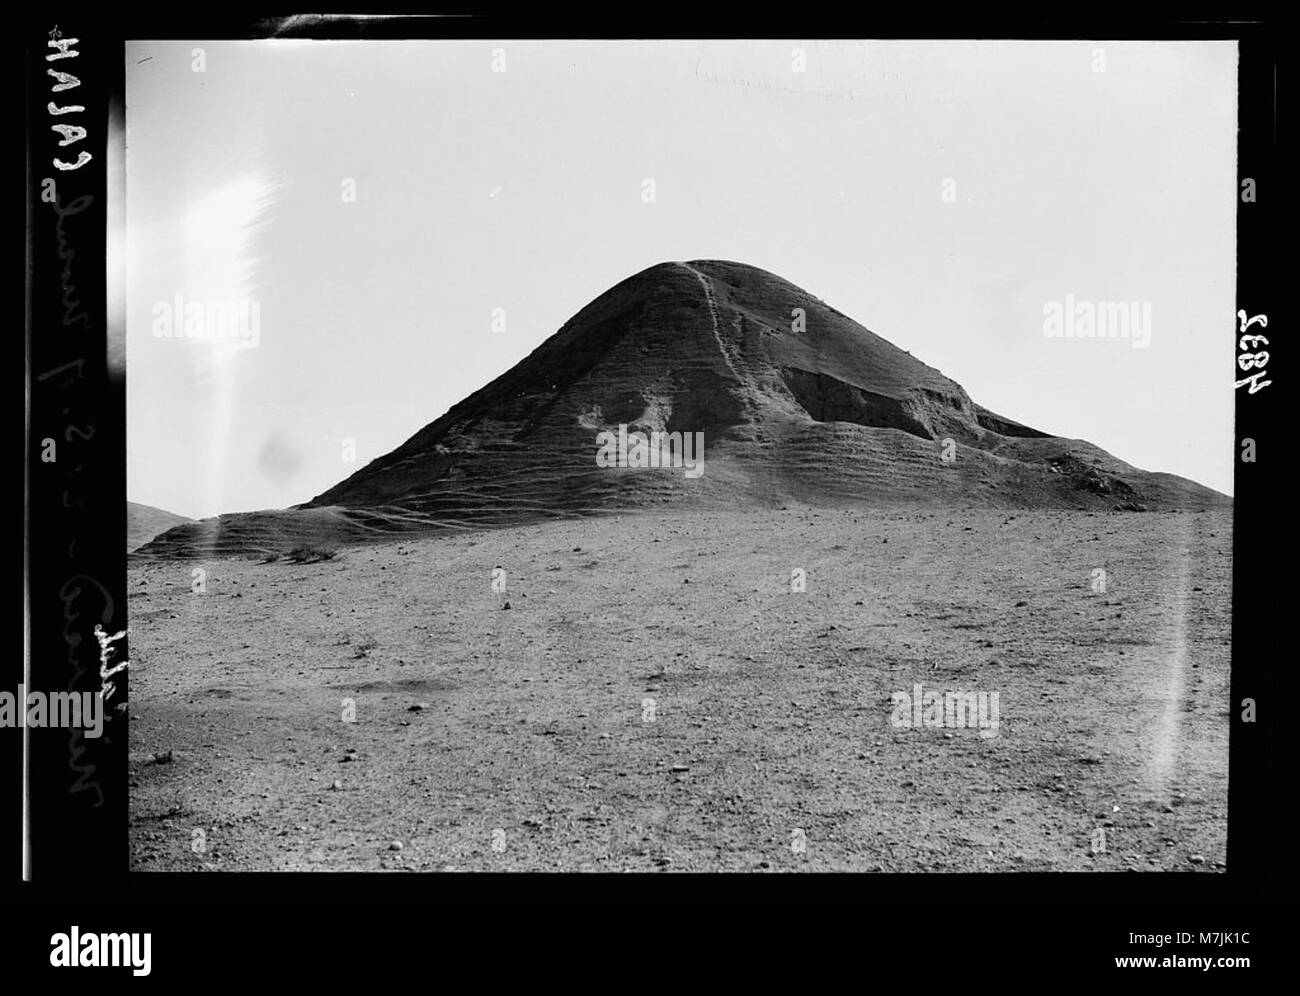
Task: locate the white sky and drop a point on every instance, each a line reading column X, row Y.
column 521, row 190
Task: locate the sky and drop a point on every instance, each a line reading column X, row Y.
column 405, row 221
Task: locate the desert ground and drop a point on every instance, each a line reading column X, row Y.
column 649, row 694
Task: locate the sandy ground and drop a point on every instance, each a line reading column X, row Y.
column 657, row 696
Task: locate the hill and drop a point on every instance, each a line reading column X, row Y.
column 144, row 522
column 795, row 401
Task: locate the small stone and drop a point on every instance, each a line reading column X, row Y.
column 395, row 845
column 337, row 786
column 506, row 605
column 1197, row 859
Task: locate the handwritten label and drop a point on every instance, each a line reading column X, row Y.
column 1249, row 360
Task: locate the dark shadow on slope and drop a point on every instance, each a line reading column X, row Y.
column 827, row 399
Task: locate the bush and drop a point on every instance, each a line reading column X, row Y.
column 365, row 643
column 311, row 554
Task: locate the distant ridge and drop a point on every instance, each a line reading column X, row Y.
column 144, row 522
column 819, row 410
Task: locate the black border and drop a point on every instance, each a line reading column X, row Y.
column 67, row 826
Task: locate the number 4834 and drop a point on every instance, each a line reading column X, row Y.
column 1248, row 360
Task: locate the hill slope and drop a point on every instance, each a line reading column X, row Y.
column 796, row 401
column 144, row 522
